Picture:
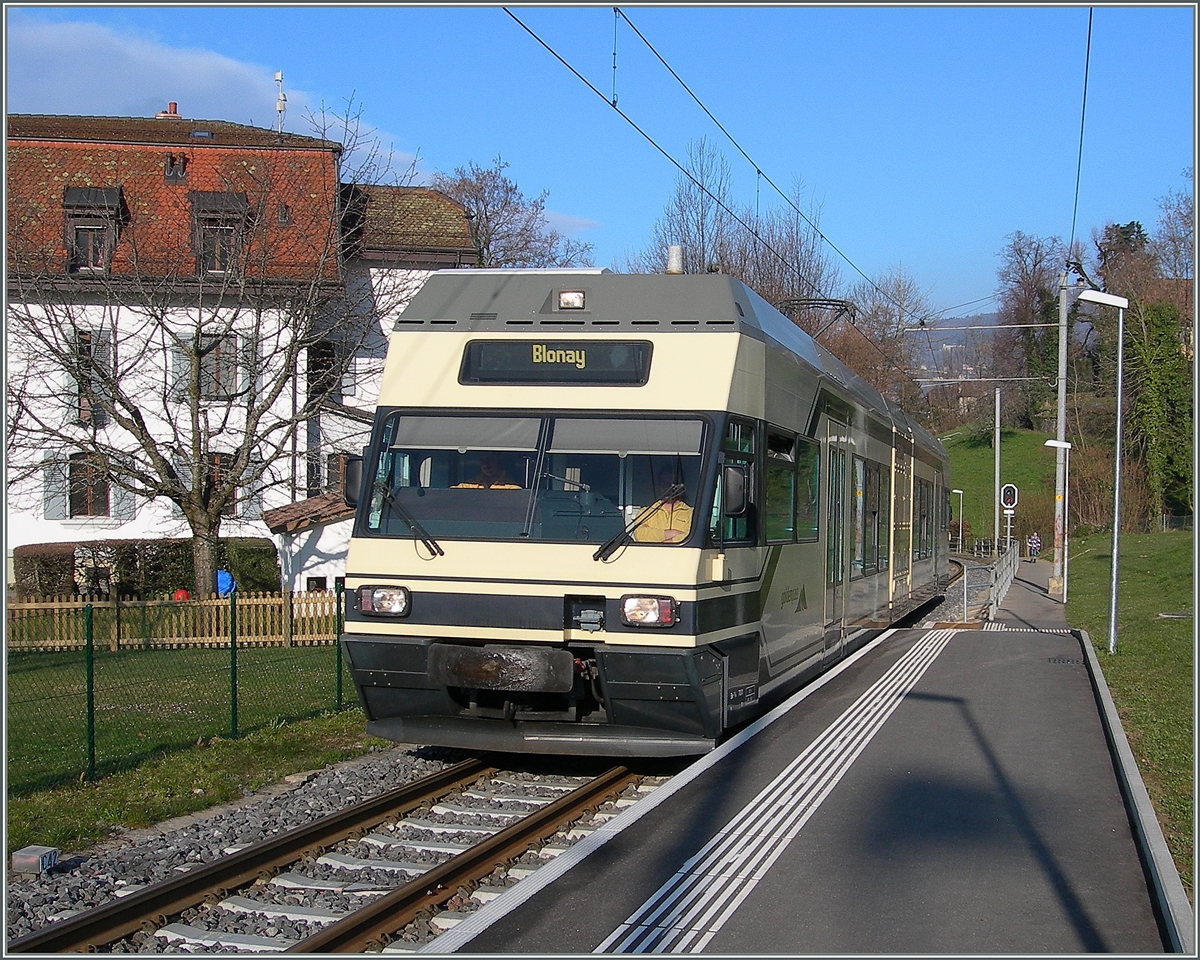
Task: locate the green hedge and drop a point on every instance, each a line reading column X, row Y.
column 139, row 568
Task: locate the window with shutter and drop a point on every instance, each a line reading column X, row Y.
column 88, row 475
column 323, row 373
column 219, row 465
column 219, row 363
column 92, row 371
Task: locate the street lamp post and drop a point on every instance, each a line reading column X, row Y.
column 960, row 519
column 960, row 551
column 1108, row 299
column 1065, row 447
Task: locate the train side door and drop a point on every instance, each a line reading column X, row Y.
column 837, row 437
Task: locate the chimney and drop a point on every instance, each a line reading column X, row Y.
column 171, row 113
column 674, row 259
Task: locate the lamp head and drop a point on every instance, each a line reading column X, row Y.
column 1096, row 296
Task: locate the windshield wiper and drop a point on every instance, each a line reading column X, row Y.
column 610, row 547
column 413, row 523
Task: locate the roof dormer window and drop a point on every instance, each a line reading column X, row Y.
column 220, row 220
column 92, row 216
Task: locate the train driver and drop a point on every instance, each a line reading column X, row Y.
column 671, row 516
column 492, row 475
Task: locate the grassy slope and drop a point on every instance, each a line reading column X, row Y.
column 1023, row 461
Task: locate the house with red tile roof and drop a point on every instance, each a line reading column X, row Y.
column 197, row 317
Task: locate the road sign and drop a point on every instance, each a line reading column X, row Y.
column 1009, row 513
column 1008, row 496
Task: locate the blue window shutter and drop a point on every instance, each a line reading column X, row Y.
column 56, row 503
column 252, row 506
column 180, row 372
column 185, row 474
column 124, row 502
column 250, row 375
column 102, row 382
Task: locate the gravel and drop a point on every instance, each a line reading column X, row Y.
column 93, row 877
column 950, row 610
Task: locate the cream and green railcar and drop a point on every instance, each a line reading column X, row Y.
column 619, row 514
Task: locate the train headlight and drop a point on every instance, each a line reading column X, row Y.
column 649, row 611
column 390, row 601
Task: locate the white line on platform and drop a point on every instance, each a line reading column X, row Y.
column 691, row 908
column 466, row 931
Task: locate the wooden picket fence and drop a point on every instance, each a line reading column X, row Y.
column 263, row 619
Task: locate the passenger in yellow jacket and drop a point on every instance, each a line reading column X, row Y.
column 671, row 517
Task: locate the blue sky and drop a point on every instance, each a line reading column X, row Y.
column 924, row 135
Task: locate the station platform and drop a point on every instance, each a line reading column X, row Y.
column 938, row 792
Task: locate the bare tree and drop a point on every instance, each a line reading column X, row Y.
column 879, row 345
column 184, row 362
column 1174, row 240
column 698, row 217
column 508, row 228
column 1028, row 294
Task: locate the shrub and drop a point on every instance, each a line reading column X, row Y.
column 138, row 568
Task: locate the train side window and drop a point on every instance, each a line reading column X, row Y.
column 808, row 489
column 859, row 510
column 738, row 447
column 871, row 535
column 885, row 502
column 779, row 501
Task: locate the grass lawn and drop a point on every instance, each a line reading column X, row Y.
column 1024, row 460
column 148, row 702
column 217, row 771
column 1151, row 674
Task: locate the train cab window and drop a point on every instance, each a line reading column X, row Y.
column 808, row 488
column 739, row 449
column 779, row 501
column 573, row 478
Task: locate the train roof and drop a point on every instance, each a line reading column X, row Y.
column 514, row 301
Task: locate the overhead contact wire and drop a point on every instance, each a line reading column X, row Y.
column 1087, row 60
column 749, row 159
column 624, row 116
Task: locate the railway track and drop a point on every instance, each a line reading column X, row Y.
column 458, row 834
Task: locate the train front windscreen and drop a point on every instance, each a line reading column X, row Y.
column 559, row 477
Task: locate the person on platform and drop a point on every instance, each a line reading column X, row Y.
column 1035, row 547
column 492, row 475
column 670, row 519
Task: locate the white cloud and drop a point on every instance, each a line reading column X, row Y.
column 568, row 225
column 52, row 68
column 90, row 70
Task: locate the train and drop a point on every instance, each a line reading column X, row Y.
column 621, row 514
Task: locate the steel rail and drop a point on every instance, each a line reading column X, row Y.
column 118, row 918
column 371, row 927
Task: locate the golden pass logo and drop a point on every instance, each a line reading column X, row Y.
column 543, row 354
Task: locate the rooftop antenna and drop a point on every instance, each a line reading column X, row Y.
column 280, row 104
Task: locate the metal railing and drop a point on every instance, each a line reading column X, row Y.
column 1003, row 572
